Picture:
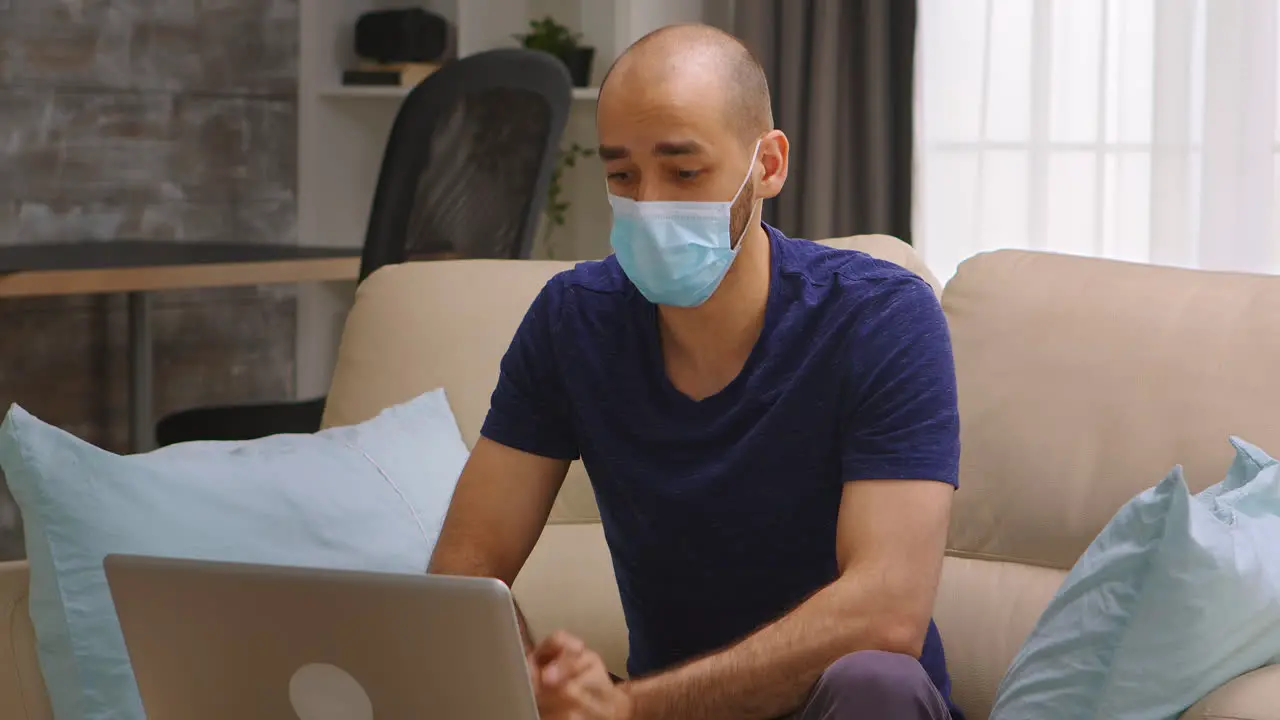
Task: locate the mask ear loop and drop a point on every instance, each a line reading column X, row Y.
column 746, row 179
column 737, row 242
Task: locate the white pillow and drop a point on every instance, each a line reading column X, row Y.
column 367, row 497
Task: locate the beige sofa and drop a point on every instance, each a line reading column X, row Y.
column 1081, row 383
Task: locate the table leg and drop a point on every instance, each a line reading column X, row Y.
column 141, row 407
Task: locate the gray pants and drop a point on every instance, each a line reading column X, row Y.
column 874, row 685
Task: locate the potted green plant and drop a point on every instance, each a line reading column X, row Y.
column 551, row 37
column 557, row 206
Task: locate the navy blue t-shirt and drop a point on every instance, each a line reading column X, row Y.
column 720, row 514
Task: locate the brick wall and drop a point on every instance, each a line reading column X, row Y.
column 169, row 119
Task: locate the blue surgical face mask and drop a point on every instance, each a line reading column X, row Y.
column 676, row 252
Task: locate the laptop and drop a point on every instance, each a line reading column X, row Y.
column 213, row 640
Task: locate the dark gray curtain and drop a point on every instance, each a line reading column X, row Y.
column 841, row 73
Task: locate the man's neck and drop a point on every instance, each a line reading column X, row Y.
column 715, row 338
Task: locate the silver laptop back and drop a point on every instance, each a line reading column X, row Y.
column 210, row 641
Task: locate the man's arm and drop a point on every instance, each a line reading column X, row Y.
column 499, row 509
column 890, row 541
column 510, row 482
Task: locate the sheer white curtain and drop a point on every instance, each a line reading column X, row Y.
column 1136, row 129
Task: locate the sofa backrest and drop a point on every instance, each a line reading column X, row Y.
column 418, row 326
column 1082, row 383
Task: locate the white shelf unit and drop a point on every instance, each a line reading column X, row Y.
column 342, row 131
column 339, row 92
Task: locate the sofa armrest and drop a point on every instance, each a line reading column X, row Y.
column 22, row 692
column 1252, row 696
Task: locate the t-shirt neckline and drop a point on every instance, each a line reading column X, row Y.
column 730, row 392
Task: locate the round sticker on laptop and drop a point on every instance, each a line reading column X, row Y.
column 321, row 691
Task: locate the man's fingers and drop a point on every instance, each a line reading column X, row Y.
column 558, row 643
column 568, row 667
column 555, row 657
column 570, row 681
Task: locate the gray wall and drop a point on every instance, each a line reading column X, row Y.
column 171, row 119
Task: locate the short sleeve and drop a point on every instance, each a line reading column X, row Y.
column 529, row 408
column 898, row 412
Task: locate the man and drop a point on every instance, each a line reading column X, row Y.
column 770, row 427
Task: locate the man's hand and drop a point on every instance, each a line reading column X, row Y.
column 570, row 682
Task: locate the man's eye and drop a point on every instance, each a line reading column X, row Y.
column 617, row 176
column 687, row 174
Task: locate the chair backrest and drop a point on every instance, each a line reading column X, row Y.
column 469, row 160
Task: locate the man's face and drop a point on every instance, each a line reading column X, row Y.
column 674, row 141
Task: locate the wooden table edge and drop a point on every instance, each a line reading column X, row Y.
column 38, row 283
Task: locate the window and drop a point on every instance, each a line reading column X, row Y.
column 1143, row 130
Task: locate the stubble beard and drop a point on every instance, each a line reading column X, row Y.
column 740, row 214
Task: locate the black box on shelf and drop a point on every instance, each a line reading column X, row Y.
column 410, row 35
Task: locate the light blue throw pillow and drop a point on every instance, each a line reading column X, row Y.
column 367, row 497
column 1249, row 461
column 1176, row 596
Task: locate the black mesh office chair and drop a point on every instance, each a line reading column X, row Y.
column 465, row 173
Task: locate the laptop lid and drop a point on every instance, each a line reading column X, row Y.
column 213, row 640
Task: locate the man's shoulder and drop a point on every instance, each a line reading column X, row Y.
column 602, row 279
column 591, row 293
column 849, row 277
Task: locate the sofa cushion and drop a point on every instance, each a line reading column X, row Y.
column 984, row 610
column 1177, row 596
column 1252, row 696
column 370, row 497
column 1082, row 379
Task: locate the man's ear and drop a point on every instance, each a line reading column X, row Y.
column 775, row 151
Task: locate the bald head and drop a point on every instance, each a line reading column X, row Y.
column 699, row 60
column 684, row 115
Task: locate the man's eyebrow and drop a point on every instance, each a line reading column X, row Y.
column 682, row 147
column 613, row 152
column 667, row 148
